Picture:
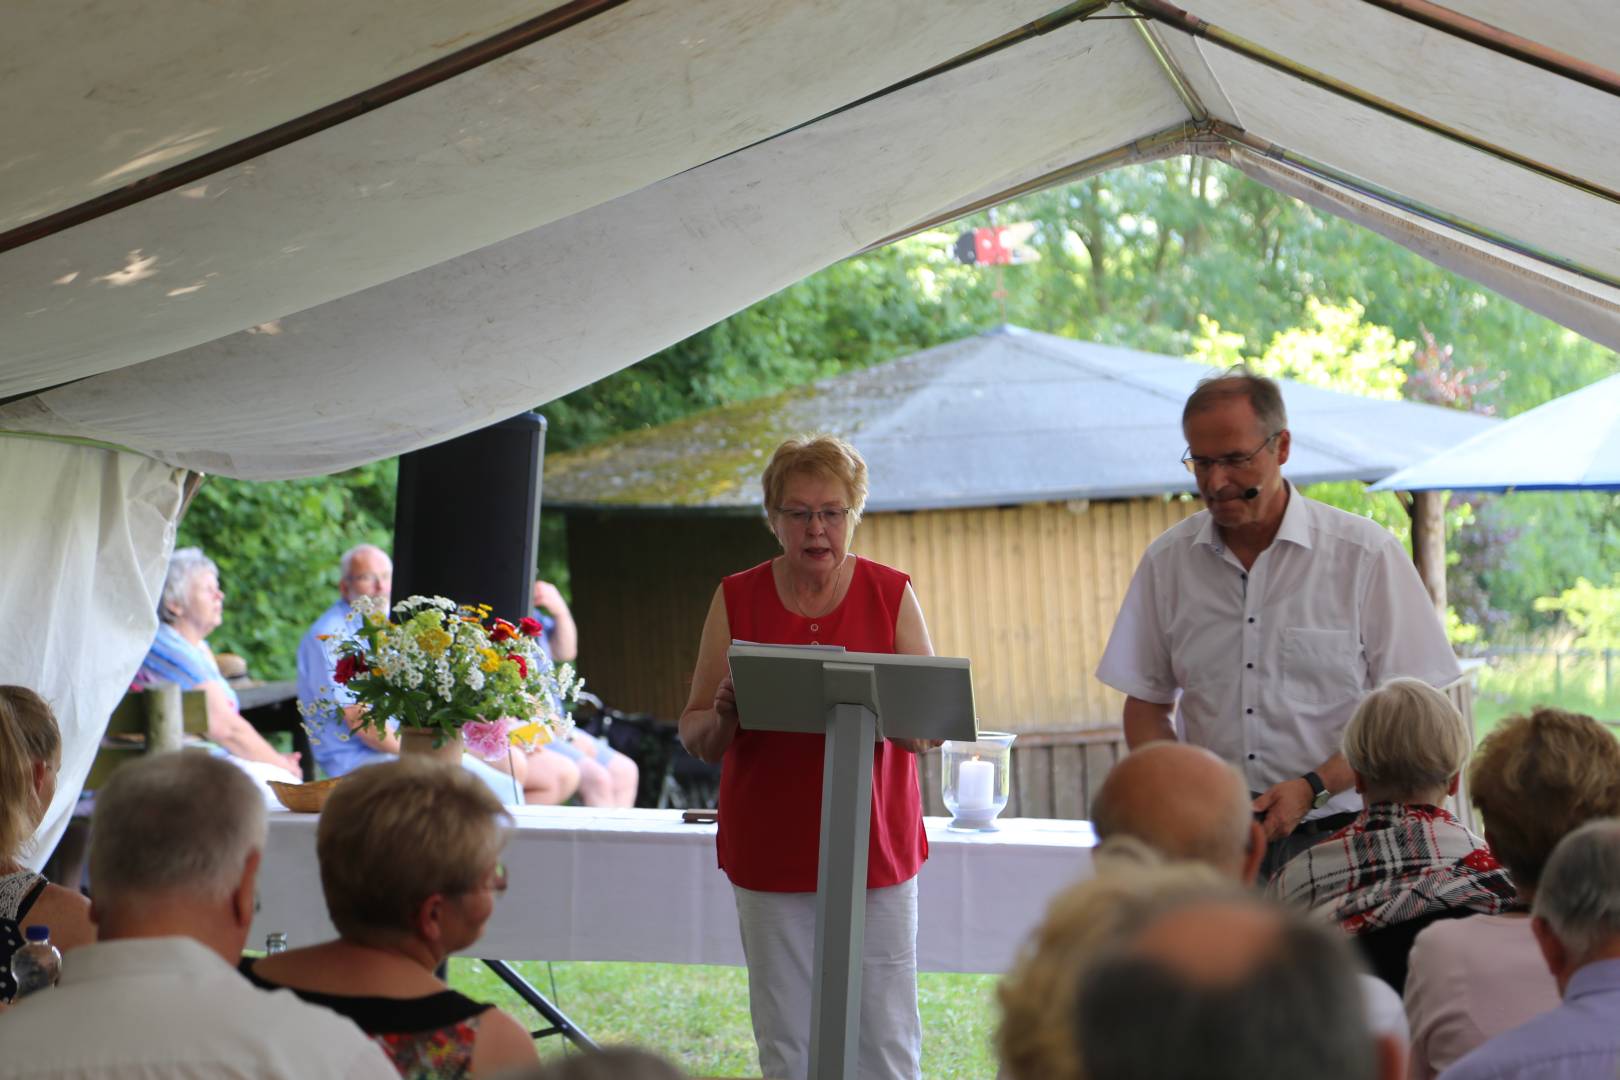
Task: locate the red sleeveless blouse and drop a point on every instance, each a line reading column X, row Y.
column 770, row 784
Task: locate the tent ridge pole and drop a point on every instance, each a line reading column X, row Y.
column 1477, row 32
column 1188, row 23
column 1183, row 89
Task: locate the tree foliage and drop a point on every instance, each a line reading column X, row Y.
column 1185, row 257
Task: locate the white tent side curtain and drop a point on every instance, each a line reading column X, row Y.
column 94, row 529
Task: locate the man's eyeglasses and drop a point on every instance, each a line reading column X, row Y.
column 832, row 517
column 1196, row 464
column 371, row 580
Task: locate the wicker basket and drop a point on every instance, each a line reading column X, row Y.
column 304, row 798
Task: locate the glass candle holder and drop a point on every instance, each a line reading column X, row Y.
column 976, row 778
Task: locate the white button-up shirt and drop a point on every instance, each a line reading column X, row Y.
column 171, row 1008
column 1270, row 662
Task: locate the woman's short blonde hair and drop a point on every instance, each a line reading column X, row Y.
column 394, row 834
column 1537, row 778
column 1035, row 1038
column 1406, row 738
column 818, row 455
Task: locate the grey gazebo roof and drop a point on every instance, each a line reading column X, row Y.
column 1009, row 416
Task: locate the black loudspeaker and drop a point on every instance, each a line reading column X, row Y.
column 467, row 517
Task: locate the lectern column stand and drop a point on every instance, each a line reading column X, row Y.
column 846, row 826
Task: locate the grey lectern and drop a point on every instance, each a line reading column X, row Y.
column 856, row 698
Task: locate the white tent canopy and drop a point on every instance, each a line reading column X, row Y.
column 279, row 240
column 505, row 235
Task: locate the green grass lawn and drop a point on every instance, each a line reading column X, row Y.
column 697, row 1015
column 1510, row 685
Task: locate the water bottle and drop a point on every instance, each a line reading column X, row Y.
column 37, row 964
column 275, row 942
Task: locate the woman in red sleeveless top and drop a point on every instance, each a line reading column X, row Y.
column 815, row 593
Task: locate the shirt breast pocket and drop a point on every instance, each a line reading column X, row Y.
column 1320, row 667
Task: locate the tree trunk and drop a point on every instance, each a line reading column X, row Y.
column 1428, row 510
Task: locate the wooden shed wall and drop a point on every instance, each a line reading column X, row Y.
column 1029, row 593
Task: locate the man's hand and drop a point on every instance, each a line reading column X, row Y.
column 292, row 760
column 1284, row 806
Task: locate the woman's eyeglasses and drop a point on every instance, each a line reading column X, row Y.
column 832, row 517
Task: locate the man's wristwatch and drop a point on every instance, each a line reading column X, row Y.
column 1319, row 792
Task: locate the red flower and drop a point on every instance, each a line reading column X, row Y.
column 523, row 665
column 529, row 627
column 348, row 667
column 502, row 631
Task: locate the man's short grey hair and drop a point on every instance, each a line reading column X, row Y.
column 185, row 820
column 1238, row 381
column 185, row 564
column 1297, row 1012
column 1405, row 738
column 1579, row 894
column 346, row 563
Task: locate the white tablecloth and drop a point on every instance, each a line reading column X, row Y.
column 641, row 885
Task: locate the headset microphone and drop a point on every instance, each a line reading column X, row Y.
column 1251, row 494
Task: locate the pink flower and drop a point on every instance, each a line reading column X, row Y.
column 487, row 738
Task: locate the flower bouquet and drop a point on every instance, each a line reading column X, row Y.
column 453, row 671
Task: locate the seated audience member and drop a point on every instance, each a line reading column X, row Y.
column 1183, row 802
column 1577, row 926
column 1226, row 986
column 175, row 846
column 191, row 608
column 606, row 777
column 1534, row 780
column 30, row 754
column 341, row 745
column 1404, row 861
column 1035, row 1036
column 409, row 852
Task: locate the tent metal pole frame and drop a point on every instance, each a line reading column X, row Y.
column 1179, row 19
column 1483, row 34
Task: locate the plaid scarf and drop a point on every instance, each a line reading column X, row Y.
column 1395, row 863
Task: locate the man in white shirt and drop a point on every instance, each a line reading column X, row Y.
column 174, row 854
column 1268, row 616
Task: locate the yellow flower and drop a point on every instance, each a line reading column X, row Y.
column 377, row 671
column 376, row 618
column 434, row 642
column 534, row 733
column 492, row 661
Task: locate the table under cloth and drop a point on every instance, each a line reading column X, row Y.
column 589, row 884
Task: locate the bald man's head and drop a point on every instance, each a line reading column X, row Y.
column 1226, row 988
column 1183, row 802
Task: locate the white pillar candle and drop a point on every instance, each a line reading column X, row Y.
column 975, row 785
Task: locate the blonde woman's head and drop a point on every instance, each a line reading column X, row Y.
column 393, row 835
column 1407, row 742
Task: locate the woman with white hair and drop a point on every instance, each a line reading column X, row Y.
column 191, row 608
column 1405, row 861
